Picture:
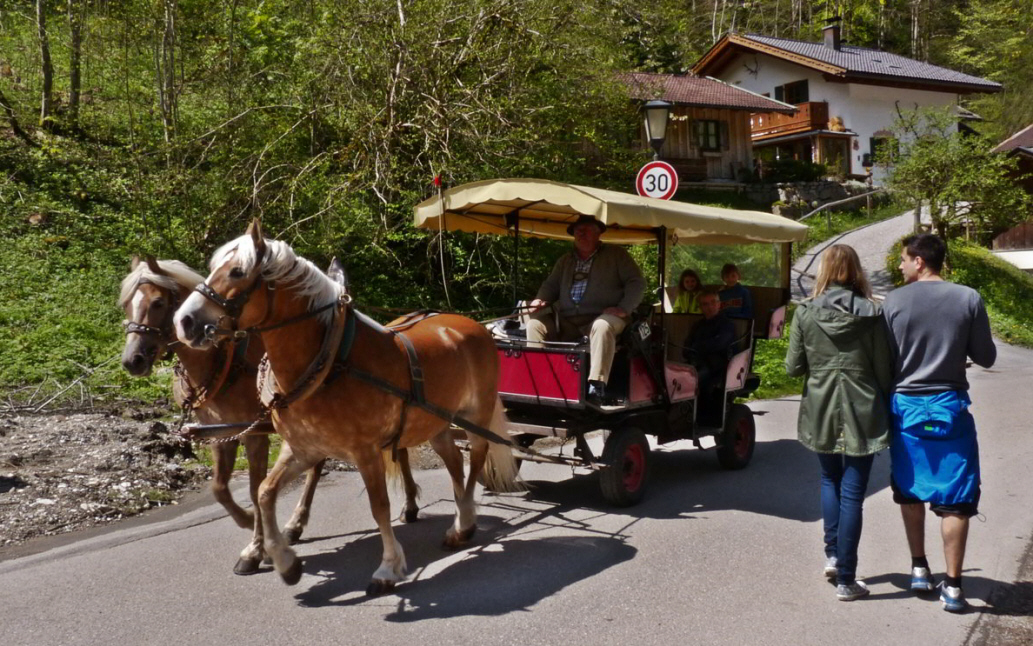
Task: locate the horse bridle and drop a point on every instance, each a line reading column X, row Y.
column 163, row 332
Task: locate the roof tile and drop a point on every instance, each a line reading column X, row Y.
column 861, row 60
column 699, row 92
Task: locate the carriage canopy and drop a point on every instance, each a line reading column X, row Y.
column 545, row 209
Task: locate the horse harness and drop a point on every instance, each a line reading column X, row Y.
column 332, row 361
column 223, row 375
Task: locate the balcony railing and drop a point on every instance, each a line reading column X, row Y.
column 813, row 115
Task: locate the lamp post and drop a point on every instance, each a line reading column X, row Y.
column 657, row 113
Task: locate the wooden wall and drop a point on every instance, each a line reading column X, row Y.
column 735, row 154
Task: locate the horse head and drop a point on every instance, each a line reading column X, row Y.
column 149, row 297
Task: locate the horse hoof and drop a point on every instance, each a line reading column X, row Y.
column 267, row 560
column 378, row 587
column 455, row 540
column 292, row 535
column 293, row 573
column 411, row 515
column 246, row 566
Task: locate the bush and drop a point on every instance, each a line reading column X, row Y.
column 793, row 170
column 1007, row 291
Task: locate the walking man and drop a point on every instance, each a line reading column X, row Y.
column 934, row 327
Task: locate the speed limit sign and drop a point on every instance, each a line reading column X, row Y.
column 657, row 179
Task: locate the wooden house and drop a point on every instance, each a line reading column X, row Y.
column 708, row 135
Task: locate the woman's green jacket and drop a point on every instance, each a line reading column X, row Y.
column 840, row 342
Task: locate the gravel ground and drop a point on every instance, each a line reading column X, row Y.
column 60, row 473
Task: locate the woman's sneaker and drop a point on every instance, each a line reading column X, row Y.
column 953, row 599
column 851, row 591
column 830, row 567
column 922, row 580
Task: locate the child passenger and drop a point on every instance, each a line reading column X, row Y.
column 689, row 290
column 735, row 298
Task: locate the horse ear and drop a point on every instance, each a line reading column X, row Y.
column 255, row 231
column 337, row 273
column 152, row 264
column 134, row 263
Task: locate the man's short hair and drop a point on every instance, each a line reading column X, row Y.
column 927, row 246
column 710, row 291
column 729, row 268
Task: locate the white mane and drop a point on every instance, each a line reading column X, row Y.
column 177, row 275
column 281, row 264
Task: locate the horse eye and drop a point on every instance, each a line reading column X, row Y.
column 158, row 303
column 236, row 272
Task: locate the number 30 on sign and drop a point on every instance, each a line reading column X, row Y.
column 657, row 179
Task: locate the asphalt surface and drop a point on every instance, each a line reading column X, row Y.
column 709, row 557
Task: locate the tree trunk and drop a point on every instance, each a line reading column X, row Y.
column 74, row 65
column 13, row 120
column 165, row 67
column 47, row 100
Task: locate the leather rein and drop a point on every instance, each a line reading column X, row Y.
column 331, row 360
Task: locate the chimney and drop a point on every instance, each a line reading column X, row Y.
column 831, row 33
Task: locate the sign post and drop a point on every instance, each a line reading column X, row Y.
column 657, row 179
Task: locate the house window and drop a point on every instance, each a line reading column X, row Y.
column 794, row 93
column 710, row 134
column 882, row 150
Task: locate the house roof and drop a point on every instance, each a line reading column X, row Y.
column 1021, row 141
column 699, row 92
column 849, row 63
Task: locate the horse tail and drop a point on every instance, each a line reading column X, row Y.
column 392, row 468
column 501, row 470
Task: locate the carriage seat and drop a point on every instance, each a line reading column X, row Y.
column 769, row 313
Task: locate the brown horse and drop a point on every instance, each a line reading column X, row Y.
column 347, row 399
column 217, row 390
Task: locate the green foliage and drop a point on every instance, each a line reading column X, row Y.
column 793, row 170
column 1007, row 291
column 956, row 175
column 769, row 363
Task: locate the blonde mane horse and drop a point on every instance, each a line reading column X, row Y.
column 149, row 296
column 262, row 286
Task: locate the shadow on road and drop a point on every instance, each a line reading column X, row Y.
column 782, row 481
column 491, row 578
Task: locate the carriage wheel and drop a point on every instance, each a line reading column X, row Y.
column 626, row 455
column 738, row 438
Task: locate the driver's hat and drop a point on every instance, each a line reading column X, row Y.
column 583, row 219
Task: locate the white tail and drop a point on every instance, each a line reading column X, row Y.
column 501, row 472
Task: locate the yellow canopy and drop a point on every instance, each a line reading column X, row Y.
column 546, row 208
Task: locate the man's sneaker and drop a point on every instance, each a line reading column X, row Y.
column 830, row 567
column 922, row 580
column 851, row 591
column 953, row 599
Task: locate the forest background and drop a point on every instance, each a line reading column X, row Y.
column 164, row 126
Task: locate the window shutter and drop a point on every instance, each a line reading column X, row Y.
column 695, row 136
column 779, row 93
column 725, row 144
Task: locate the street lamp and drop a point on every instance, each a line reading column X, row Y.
column 656, row 124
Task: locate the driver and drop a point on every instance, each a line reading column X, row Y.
column 592, row 290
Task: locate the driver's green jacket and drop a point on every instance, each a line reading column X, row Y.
column 840, row 343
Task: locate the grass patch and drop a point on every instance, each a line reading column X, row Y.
column 1007, row 291
column 769, row 363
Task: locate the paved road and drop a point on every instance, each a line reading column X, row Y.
column 710, row 557
column 872, row 243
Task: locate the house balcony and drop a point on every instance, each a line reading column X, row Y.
column 813, row 115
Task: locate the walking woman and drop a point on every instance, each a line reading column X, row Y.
column 838, row 340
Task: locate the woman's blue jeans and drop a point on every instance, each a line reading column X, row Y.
column 844, row 480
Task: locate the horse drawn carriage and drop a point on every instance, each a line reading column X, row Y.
column 544, row 386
